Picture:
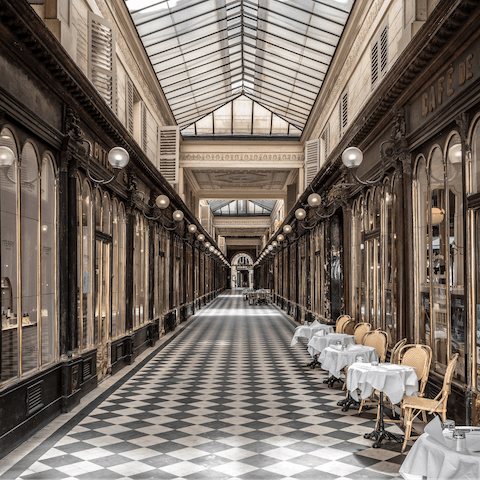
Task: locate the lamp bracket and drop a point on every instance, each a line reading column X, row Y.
column 88, row 154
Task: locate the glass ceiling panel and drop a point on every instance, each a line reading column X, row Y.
column 242, row 208
column 207, row 52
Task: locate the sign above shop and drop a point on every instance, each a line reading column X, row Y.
column 446, row 86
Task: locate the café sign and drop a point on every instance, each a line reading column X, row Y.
column 447, row 85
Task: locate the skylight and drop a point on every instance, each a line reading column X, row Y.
column 207, row 53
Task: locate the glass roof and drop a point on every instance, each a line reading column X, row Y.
column 242, row 208
column 241, row 116
column 207, row 53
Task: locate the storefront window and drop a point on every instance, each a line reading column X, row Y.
column 456, row 252
column 47, row 260
column 8, row 265
column 85, row 287
column 29, row 225
column 423, row 250
column 29, row 322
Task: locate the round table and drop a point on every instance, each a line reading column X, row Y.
column 334, row 359
column 308, row 331
column 318, row 343
column 432, row 460
column 388, row 379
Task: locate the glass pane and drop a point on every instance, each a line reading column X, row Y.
column 115, row 273
column 456, row 253
column 223, row 119
column 30, row 257
column 87, row 268
column 8, row 266
column 121, row 270
column 242, row 115
column 48, row 234
column 439, row 253
column 423, row 250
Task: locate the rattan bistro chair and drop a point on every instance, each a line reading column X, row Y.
column 348, row 327
column 361, row 329
column 341, row 320
column 394, row 354
column 413, row 406
column 379, row 340
column 419, row 357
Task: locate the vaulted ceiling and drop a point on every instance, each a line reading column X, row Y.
column 208, row 53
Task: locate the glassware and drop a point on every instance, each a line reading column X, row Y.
column 359, row 359
column 460, row 441
column 448, row 425
column 374, row 363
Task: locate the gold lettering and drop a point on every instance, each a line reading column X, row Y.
column 440, row 90
column 449, row 82
column 431, row 103
column 468, row 66
column 424, row 105
column 461, row 73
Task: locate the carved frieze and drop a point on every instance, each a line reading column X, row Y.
column 241, row 157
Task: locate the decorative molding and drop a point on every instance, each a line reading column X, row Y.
column 242, row 157
column 340, row 80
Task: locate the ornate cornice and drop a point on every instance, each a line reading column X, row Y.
column 242, row 157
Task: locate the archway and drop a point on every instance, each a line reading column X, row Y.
column 242, row 271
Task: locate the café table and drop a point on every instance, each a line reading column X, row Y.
column 319, row 342
column 307, row 331
column 431, row 459
column 334, row 358
column 389, row 379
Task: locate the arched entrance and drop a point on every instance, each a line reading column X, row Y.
column 242, row 271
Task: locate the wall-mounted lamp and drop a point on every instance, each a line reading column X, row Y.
column 437, row 216
column 162, row 202
column 118, row 158
column 287, row 229
column 177, row 215
column 274, row 243
column 200, row 237
column 207, row 244
column 192, row 228
column 280, row 238
column 300, row 213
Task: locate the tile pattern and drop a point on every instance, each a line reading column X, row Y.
column 226, row 399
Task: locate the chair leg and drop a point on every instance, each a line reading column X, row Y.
column 408, row 427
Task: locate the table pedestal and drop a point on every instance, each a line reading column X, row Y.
column 380, row 434
column 330, row 381
column 347, row 403
column 314, row 362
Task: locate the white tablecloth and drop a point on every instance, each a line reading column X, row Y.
column 310, row 330
column 430, row 459
column 319, row 343
column 392, row 380
column 333, row 359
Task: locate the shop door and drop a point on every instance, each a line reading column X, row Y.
column 103, row 299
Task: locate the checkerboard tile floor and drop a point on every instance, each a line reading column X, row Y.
column 228, row 398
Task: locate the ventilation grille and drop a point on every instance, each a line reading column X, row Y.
column 344, row 110
column 384, row 50
column 326, row 142
column 87, row 369
column 130, row 100
column 144, row 128
column 168, row 153
column 102, row 58
column 374, row 63
column 35, row 397
column 120, row 351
